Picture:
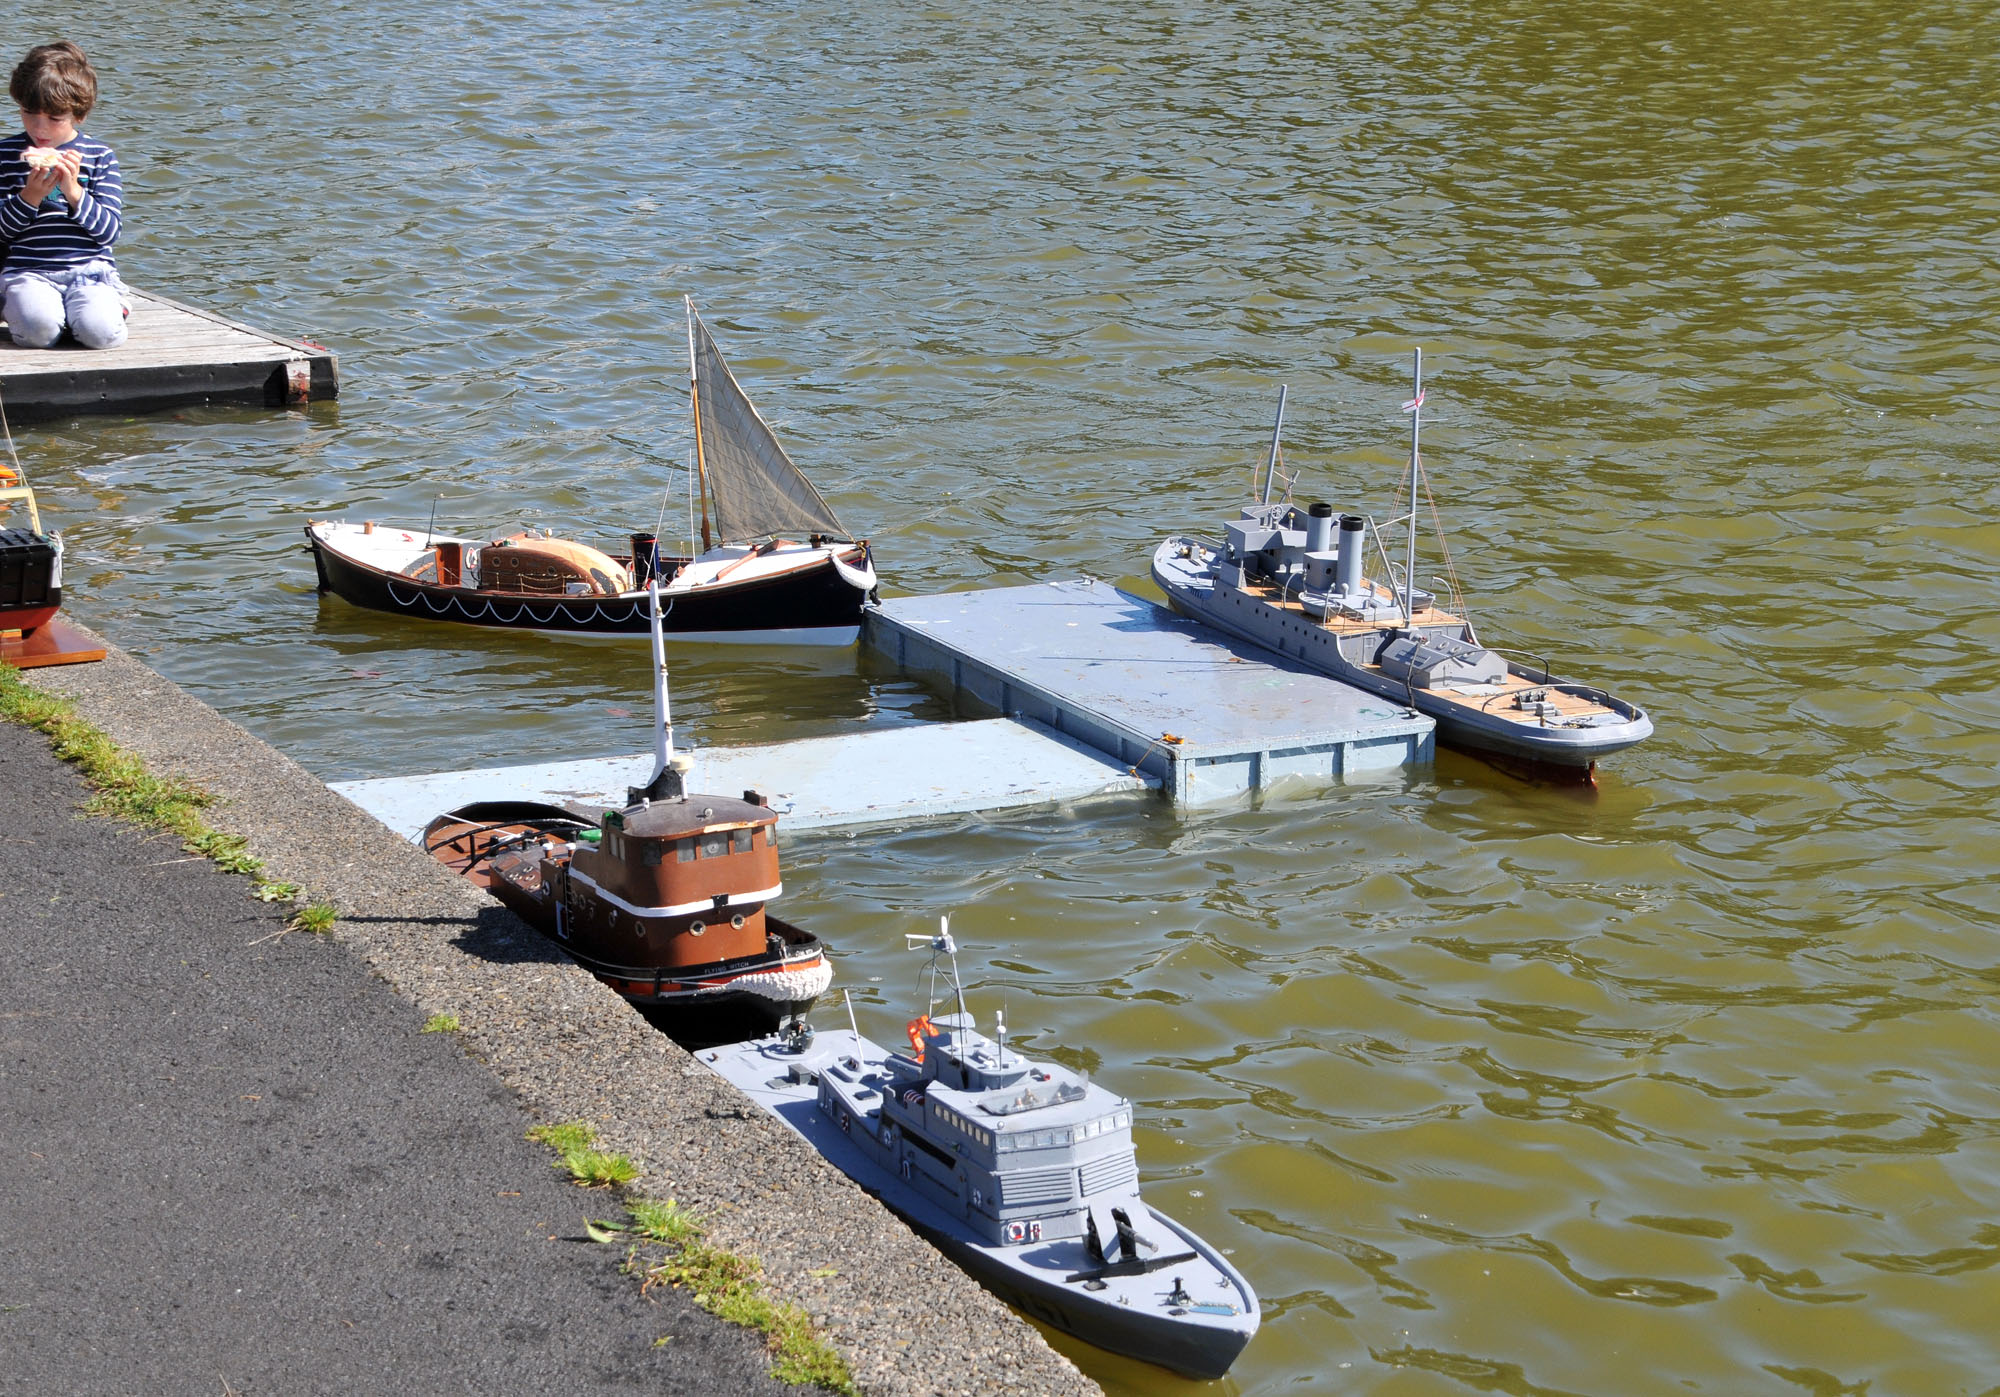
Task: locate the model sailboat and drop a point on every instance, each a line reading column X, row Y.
column 776, row 564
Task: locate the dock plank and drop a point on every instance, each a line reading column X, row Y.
column 174, row 355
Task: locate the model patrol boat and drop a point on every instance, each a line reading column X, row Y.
column 1292, row 580
column 665, row 899
column 1021, row 1171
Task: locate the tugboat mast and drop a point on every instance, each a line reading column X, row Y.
column 669, row 771
column 663, row 723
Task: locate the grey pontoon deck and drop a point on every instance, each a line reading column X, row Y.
column 1206, row 716
column 1099, row 692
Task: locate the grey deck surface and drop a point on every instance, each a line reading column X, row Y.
column 1123, row 676
column 864, row 778
column 173, row 355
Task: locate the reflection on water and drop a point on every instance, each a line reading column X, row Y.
column 1488, row 1086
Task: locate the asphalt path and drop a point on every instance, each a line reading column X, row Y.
column 231, row 1161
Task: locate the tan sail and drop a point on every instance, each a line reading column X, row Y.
column 750, row 486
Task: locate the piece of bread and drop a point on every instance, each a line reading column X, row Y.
column 42, row 157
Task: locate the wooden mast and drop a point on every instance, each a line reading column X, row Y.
column 694, row 397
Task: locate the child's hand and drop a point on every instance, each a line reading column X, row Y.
column 66, row 171
column 52, row 170
column 38, row 184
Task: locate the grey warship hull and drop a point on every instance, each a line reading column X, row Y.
column 1516, row 711
column 1184, row 1307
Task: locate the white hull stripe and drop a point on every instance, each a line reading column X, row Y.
column 679, row 909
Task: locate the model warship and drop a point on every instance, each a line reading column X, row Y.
column 776, row 566
column 1292, row 580
column 665, row 899
column 1021, row 1171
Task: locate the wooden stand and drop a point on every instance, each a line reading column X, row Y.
column 56, row 642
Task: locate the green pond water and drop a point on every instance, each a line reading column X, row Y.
column 1687, row 1085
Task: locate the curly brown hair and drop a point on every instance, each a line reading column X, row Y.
column 55, row 80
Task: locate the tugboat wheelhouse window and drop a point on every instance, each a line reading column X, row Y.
column 684, row 851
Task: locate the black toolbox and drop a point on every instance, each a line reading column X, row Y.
column 27, row 571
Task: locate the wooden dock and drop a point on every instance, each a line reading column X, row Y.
column 173, row 356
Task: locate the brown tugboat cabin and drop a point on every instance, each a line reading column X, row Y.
column 697, row 870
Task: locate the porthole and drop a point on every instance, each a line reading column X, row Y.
column 737, row 921
column 696, row 928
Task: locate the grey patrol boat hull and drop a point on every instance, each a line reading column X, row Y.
column 1573, row 724
column 1137, row 1315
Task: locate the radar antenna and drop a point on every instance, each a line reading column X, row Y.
column 941, row 946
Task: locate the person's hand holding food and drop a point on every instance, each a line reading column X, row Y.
column 51, row 168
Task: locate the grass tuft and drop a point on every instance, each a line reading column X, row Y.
column 573, row 1143
column 317, row 919
column 571, row 1135
column 441, row 1023
column 730, row 1287
column 667, row 1222
column 599, row 1168
column 121, row 786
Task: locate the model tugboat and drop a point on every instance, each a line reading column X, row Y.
column 1281, row 580
column 664, row 899
column 1021, row 1171
column 777, row 566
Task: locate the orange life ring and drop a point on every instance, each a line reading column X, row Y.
column 920, row 1028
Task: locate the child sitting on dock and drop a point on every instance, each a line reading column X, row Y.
column 60, row 209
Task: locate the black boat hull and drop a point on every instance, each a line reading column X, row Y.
column 815, row 600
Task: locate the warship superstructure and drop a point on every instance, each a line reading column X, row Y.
column 1020, row 1170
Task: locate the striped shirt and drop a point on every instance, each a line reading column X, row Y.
column 55, row 236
